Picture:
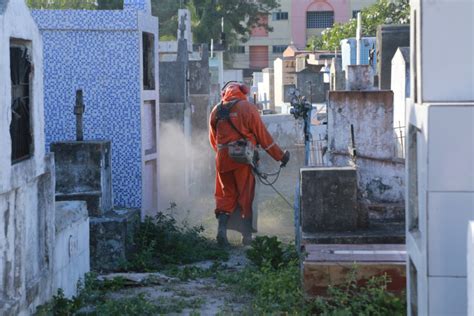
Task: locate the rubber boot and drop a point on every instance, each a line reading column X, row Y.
column 247, row 231
column 222, row 219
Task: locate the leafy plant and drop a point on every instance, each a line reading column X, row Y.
column 266, row 251
column 59, row 306
column 352, row 298
column 273, row 285
column 160, row 241
column 137, row 305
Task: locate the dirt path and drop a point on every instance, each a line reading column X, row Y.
column 196, row 289
column 196, row 296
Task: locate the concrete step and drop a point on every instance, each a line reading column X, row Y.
column 327, row 265
column 378, row 232
column 111, row 238
column 92, row 198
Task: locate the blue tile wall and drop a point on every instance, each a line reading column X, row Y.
column 135, row 4
column 105, row 63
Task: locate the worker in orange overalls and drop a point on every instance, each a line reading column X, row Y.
column 234, row 119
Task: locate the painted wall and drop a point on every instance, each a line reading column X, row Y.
column 470, row 269
column 299, row 33
column 278, row 81
column 101, row 53
column 349, row 52
column 400, row 85
column 281, row 35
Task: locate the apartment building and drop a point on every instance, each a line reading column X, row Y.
column 295, row 21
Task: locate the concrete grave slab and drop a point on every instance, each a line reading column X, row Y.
column 329, row 265
column 328, row 199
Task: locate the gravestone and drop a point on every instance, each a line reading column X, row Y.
column 328, row 199
column 389, row 38
column 337, row 75
column 83, row 168
column 84, row 173
column 311, row 84
column 199, row 90
column 359, row 77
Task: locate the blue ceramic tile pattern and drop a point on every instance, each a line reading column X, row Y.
column 86, row 19
column 134, row 4
column 97, row 51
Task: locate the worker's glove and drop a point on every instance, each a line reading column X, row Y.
column 285, row 159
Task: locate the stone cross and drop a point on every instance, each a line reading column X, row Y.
column 182, row 26
column 79, row 109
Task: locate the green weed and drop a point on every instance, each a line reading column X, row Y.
column 270, row 251
column 192, row 272
column 355, row 299
column 273, row 286
column 160, row 241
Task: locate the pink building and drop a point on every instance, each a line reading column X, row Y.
column 310, row 17
column 295, row 21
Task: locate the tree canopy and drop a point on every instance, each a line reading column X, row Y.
column 239, row 17
column 382, row 12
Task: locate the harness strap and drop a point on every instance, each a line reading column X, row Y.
column 223, row 113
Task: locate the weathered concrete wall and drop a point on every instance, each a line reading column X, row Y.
column 288, row 134
column 26, row 188
column 84, row 172
column 359, row 77
column 111, row 238
column 381, row 176
column 199, row 91
column 337, row 75
column 27, row 243
column 172, row 82
column 71, row 260
column 328, row 198
column 285, row 130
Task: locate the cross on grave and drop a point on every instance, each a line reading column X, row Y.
column 265, row 101
column 182, row 26
column 79, row 109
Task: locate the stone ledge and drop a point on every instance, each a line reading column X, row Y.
column 69, row 212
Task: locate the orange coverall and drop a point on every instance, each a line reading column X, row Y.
column 235, row 182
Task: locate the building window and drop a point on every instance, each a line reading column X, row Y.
column 148, row 61
column 238, row 49
column 279, row 16
column 319, row 19
column 354, row 13
column 278, row 49
column 21, row 77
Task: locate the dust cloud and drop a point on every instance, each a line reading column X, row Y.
column 186, row 170
column 187, row 175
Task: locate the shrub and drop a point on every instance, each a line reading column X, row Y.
column 160, row 241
